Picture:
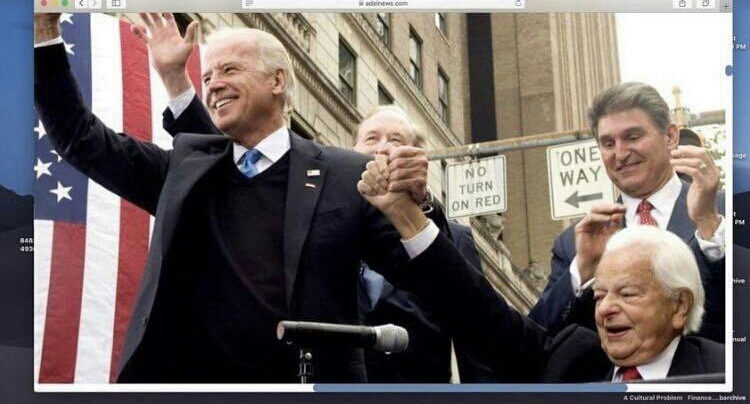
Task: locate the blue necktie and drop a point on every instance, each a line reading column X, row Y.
column 247, row 163
column 373, row 283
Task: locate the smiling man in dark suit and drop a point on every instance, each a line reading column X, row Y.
column 639, row 149
column 250, row 228
column 648, row 291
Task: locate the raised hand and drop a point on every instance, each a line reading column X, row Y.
column 701, row 198
column 169, row 51
column 46, row 26
column 592, row 234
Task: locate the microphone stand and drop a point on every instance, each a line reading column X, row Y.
column 305, row 366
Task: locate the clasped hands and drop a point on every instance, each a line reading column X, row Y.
column 398, row 178
column 394, row 183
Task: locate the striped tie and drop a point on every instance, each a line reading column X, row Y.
column 247, row 163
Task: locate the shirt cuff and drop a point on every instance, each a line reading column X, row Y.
column 422, row 240
column 179, row 104
column 714, row 249
column 49, row 42
column 575, row 278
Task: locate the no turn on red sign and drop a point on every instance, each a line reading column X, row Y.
column 577, row 179
column 476, row 187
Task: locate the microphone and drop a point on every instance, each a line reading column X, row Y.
column 383, row 338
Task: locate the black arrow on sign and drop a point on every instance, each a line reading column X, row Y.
column 574, row 199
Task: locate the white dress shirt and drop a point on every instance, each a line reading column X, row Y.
column 271, row 148
column 663, row 202
column 657, row 368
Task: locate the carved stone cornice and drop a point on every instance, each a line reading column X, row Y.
column 307, row 72
column 370, row 38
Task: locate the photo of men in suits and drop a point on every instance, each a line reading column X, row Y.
column 250, row 228
column 648, row 291
column 639, row 148
column 387, row 130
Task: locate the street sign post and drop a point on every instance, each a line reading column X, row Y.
column 577, row 179
column 476, row 188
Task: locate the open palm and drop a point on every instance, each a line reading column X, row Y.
column 169, row 50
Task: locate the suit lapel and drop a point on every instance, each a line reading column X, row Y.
column 610, row 374
column 680, row 223
column 307, row 174
column 686, row 360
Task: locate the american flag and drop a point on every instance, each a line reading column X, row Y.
column 91, row 246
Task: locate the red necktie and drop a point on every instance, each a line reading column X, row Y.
column 629, row 373
column 644, row 214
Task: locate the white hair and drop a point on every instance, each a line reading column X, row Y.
column 271, row 56
column 417, row 138
column 672, row 262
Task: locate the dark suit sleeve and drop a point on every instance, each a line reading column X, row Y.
column 712, row 276
column 194, row 119
column 132, row 169
column 472, row 368
column 512, row 345
column 552, row 308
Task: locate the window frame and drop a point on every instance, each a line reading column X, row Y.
column 342, row 80
column 417, row 65
column 444, row 104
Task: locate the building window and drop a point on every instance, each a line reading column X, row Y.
column 383, row 27
column 415, row 58
column 347, row 71
column 440, row 23
column 443, row 95
column 384, row 97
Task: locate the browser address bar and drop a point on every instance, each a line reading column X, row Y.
column 389, row 5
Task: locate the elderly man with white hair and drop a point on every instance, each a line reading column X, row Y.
column 649, row 296
column 251, row 228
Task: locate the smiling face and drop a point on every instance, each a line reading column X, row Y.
column 635, row 154
column 383, row 130
column 635, row 316
column 239, row 96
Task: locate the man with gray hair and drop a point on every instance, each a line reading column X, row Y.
column 640, row 152
column 648, row 293
column 251, row 228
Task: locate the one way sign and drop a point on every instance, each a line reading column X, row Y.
column 577, row 179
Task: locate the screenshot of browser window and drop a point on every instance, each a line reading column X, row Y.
column 141, row 271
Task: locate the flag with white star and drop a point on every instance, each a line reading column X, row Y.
column 91, row 246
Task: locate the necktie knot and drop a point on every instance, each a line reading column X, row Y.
column 629, row 373
column 247, row 163
column 644, row 213
column 644, row 206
